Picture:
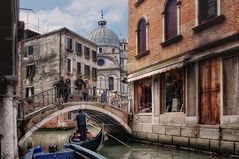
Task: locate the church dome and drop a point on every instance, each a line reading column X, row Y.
column 104, row 36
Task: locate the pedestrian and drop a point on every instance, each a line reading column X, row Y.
column 104, row 96
column 79, row 83
column 81, row 119
column 85, row 90
column 68, row 83
column 60, row 88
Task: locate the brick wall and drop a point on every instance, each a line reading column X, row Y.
column 152, row 9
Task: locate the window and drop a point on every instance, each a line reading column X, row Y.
column 29, row 91
column 171, row 26
column 87, row 71
column 170, row 19
column 78, row 48
column 173, row 90
column 143, row 96
column 30, row 50
column 30, row 71
column 113, row 50
column 87, row 52
column 68, row 43
column 69, row 68
column 207, row 10
column 78, row 68
column 69, row 116
column 100, row 50
column 101, row 62
column 94, row 57
column 111, row 83
column 141, row 36
column 94, row 73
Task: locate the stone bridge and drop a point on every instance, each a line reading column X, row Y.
column 104, row 108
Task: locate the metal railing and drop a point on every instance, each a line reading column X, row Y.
column 57, row 96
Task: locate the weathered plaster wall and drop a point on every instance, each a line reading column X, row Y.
column 8, row 123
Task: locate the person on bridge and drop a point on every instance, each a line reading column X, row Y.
column 85, row 90
column 81, row 119
column 79, row 83
column 60, row 88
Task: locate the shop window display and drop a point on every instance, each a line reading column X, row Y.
column 143, row 96
column 173, row 91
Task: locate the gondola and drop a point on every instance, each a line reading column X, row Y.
column 91, row 143
column 70, row 151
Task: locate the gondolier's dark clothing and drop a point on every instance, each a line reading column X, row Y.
column 81, row 123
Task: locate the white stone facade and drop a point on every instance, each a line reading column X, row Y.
column 112, row 56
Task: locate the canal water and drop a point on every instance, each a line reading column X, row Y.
column 114, row 150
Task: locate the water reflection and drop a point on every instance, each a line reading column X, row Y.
column 114, row 150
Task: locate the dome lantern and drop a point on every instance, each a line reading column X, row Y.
column 104, row 36
column 102, row 22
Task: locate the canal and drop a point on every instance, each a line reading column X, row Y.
column 114, row 150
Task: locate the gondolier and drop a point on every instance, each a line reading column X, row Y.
column 81, row 119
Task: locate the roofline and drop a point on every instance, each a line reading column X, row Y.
column 64, row 29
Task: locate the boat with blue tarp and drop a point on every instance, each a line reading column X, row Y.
column 70, row 151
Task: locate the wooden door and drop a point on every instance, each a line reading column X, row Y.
column 209, row 84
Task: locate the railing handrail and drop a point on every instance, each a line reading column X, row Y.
column 68, row 94
column 71, row 88
column 38, row 94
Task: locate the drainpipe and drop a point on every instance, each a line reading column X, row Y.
column 60, row 55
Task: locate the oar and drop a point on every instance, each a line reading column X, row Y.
column 123, row 143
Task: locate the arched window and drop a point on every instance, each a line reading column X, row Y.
column 171, row 21
column 141, row 36
column 111, row 83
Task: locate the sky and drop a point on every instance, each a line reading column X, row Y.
column 81, row 16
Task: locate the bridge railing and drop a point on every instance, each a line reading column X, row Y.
column 57, row 96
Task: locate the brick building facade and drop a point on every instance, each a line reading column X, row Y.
column 183, row 71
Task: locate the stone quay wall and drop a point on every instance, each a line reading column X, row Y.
column 214, row 138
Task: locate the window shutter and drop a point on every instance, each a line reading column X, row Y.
column 76, row 47
column 27, row 74
column 25, row 51
column 32, row 91
column 27, row 92
column 202, row 10
column 33, row 70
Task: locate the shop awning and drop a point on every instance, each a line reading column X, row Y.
column 157, row 68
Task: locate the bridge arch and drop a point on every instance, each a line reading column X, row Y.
column 85, row 106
